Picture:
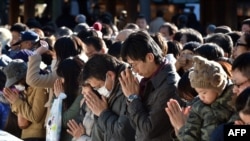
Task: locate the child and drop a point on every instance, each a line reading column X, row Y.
column 26, row 102
column 213, row 107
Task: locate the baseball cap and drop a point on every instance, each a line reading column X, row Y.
column 28, row 36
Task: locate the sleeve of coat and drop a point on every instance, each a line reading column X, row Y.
column 34, row 78
column 82, row 138
column 192, row 128
column 36, row 111
column 117, row 125
column 152, row 121
column 72, row 111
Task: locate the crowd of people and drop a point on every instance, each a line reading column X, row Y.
column 157, row 81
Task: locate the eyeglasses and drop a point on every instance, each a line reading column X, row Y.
column 240, row 84
column 240, row 44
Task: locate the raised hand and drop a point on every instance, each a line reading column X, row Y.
column 11, row 95
column 76, row 130
column 43, row 48
column 129, row 83
column 58, row 87
column 95, row 104
column 176, row 114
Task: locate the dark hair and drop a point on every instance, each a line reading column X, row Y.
column 67, row 46
column 242, row 64
column 138, row 44
column 86, row 33
column 160, row 40
column 96, row 42
column 98, row 65
column 192, row 45
column 235, row 35
column 222, row 29
column 211, row 51
column 177, row 35
column 81, row 26
column 174, row 47
column 107, row 42
column 106, row 31
column 49, row 29
column 246, row 36
column 47, row 57
column 115, row 49
column 70, row 69
column 246, row 21
column 192, row 35
column 64, row 31
column 243, row 100
column 222, row 40
column 172, row 28
column 19, row 27
column 184, row 87
column 2, row 80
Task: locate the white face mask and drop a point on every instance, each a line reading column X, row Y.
column 103, row 90
column 20, row 87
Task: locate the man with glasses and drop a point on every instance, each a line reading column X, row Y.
column 147, row 98
column 242, row 45
column 240, row 73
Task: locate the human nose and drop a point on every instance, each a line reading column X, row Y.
column 134, row 70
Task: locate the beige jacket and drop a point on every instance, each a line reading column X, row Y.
column 35, row 79
column 34, row 111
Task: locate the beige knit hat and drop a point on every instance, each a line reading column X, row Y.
column 207, row 74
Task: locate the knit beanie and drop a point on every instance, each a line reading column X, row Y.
column 207, row 74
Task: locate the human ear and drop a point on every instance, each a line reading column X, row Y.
column 150, row 57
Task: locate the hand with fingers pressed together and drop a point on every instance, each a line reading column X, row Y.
column 58, row 87
column 11, row 95
column 96, row 105
column 43, row 48
column 75, row 129
column 129, row 83
column 177, row 115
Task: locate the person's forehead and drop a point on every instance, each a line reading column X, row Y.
column 237, row 74
column 93, row 81
column 15, row 34
column 130, row 60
